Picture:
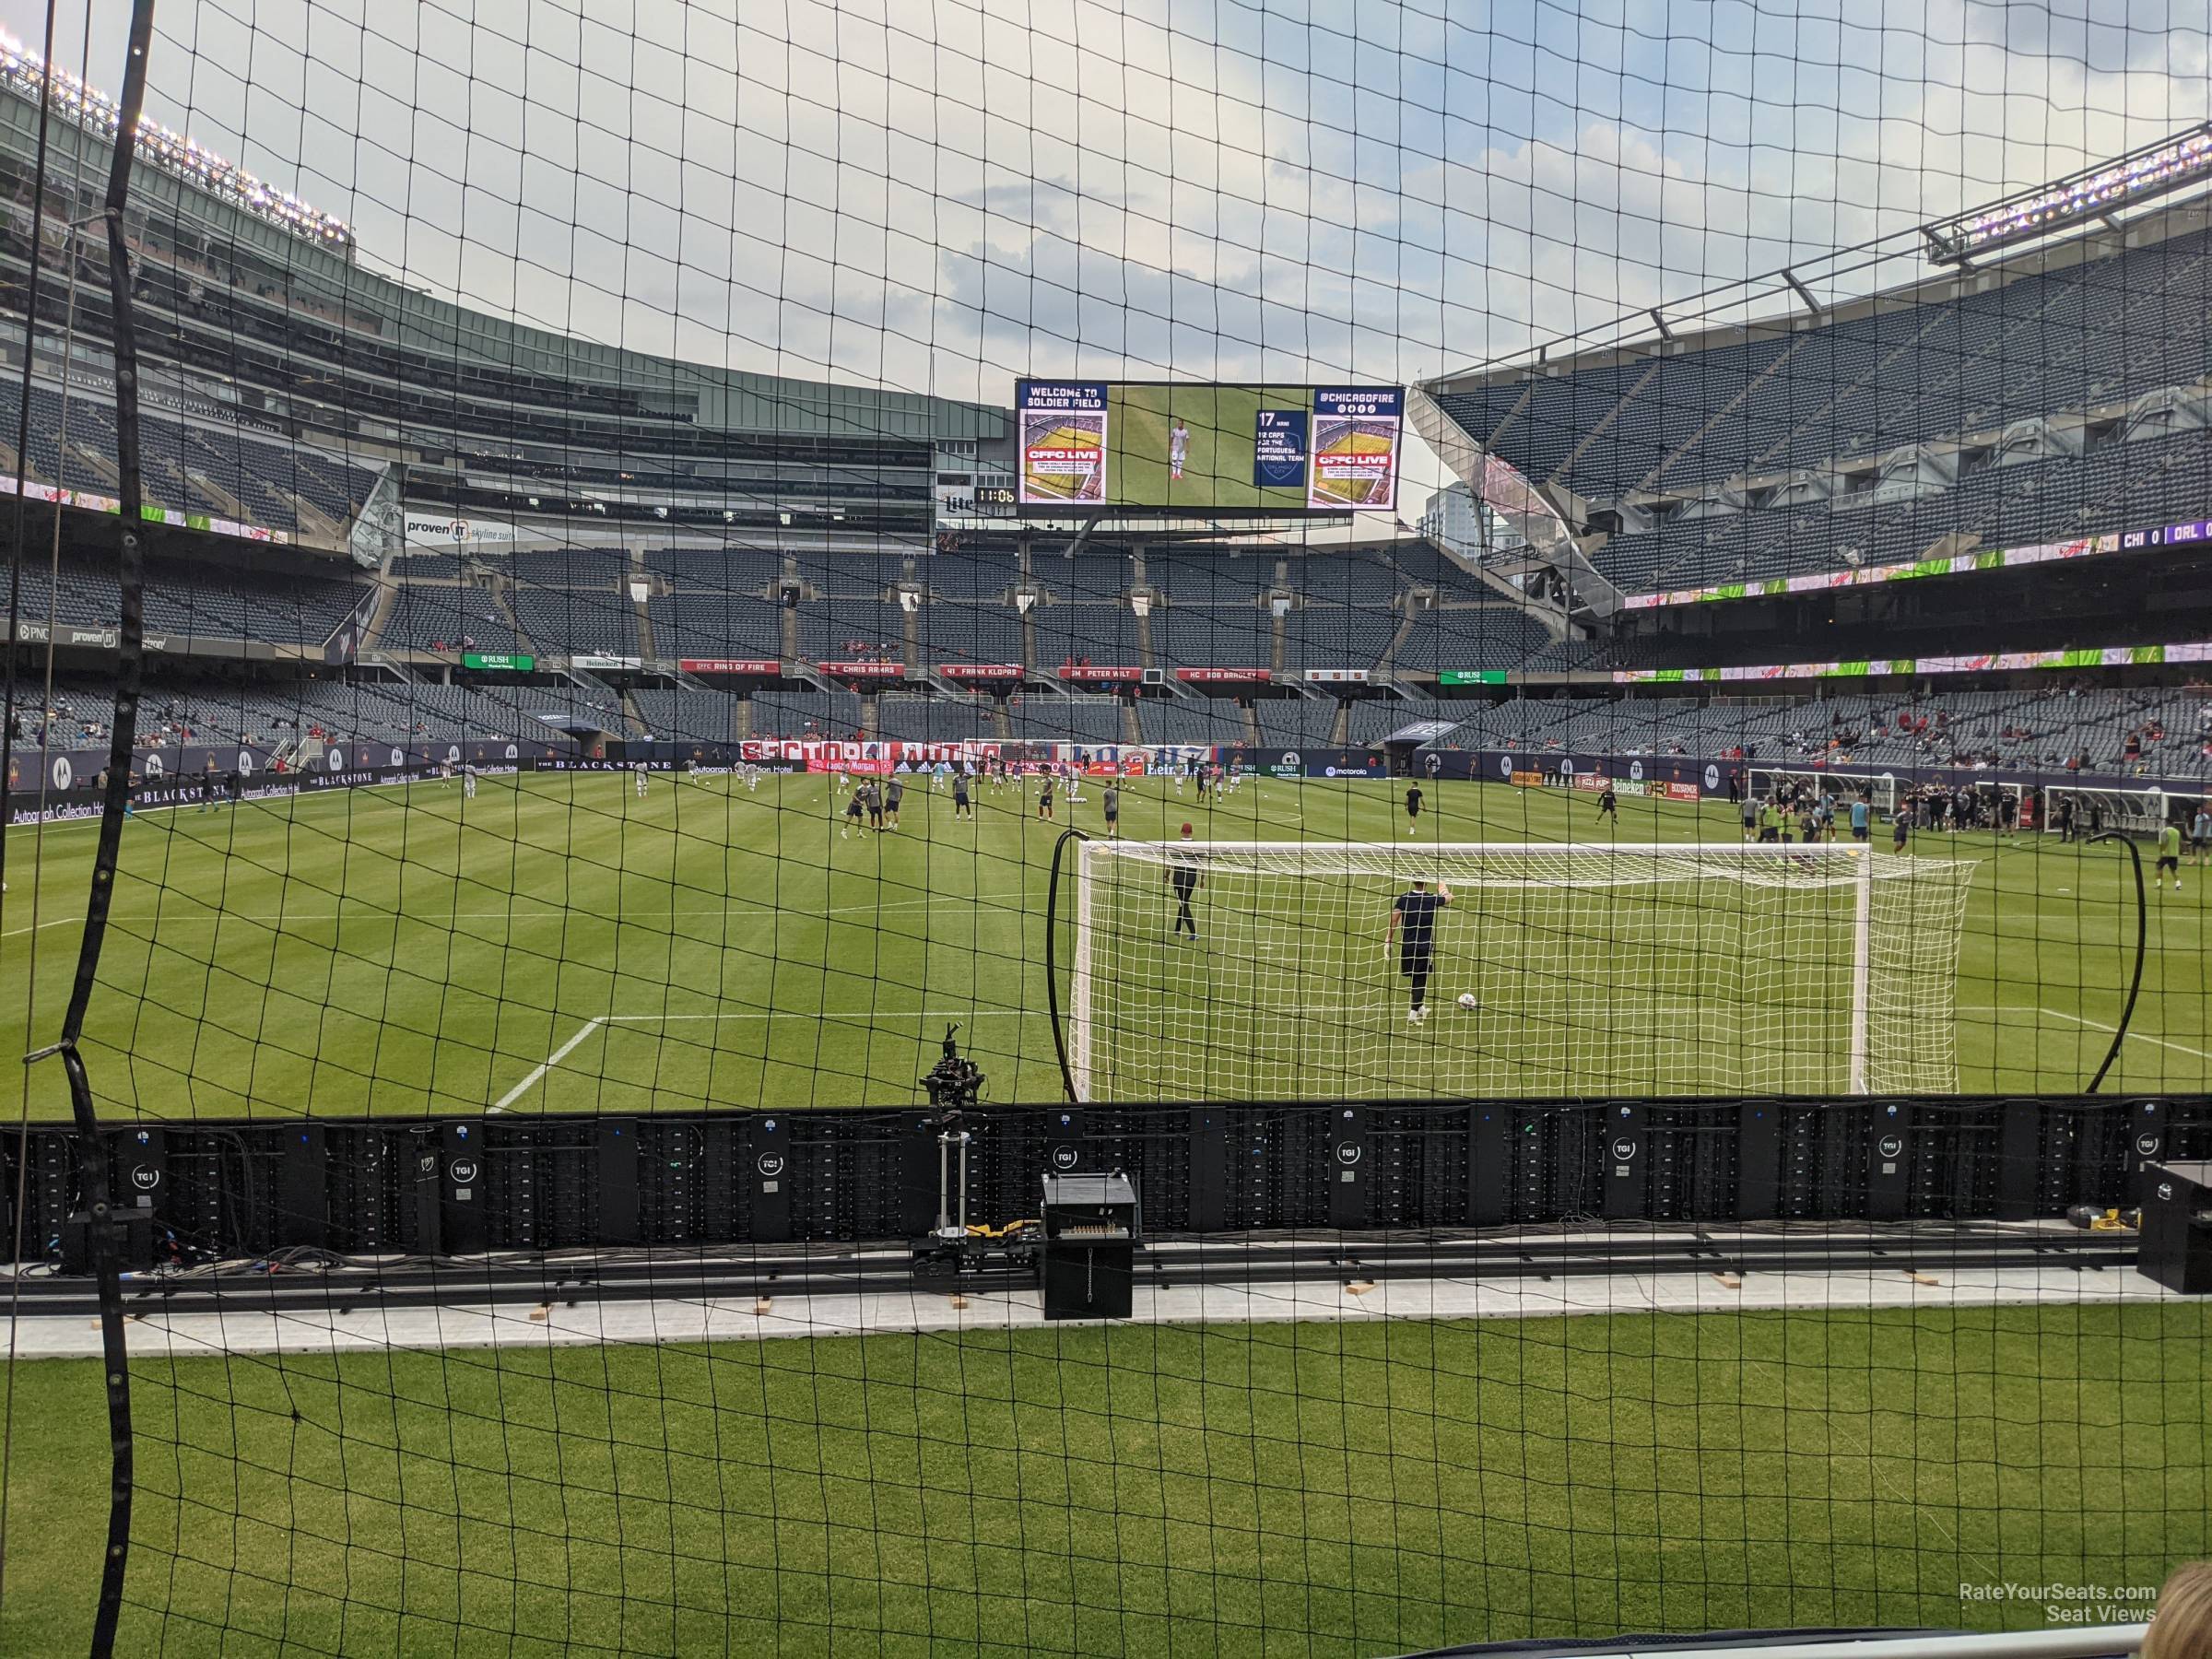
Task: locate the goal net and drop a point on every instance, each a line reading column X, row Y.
column 2132, row 811
column 1878, row 788
column 1593, row 970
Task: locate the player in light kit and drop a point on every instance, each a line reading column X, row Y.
column 752, row 775
column 638, row 772
column 1179, row 448
column 1416, row 946
column 468, row 781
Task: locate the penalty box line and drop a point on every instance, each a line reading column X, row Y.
column 583, row 1032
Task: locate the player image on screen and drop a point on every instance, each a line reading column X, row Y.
column 1205, row 447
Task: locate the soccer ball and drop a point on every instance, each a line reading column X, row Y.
column 1466, row 1001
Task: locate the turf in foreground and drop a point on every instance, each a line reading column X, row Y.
column 1329, row 1489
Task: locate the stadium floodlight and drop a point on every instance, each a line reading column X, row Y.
column 2139, row 176
column 1660, row 969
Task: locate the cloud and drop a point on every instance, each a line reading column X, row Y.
column 937, row 194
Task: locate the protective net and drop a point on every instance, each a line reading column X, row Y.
column 570, row 567
column 1300, row 970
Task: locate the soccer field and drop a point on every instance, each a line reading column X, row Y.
column 1228, row 1491
column 558, row 943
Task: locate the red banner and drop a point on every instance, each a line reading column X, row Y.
column 1128, row 766
column 826, row 763
column 1684, row 792
column 980, row 671
column 864, row 670
column 1589, row 780
column 1226, row 675
column 729, row 664
column 1090, row 674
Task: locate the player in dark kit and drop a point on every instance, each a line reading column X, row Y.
column 1044, row 797
column 962, row 806
column 892, row 796
column 854, row 806
column 1413, row 933
column 1413, row 807
column 1609, row 805
column 872, row 794
column 1183, row 876
column 208, row 783
column 1111, row 802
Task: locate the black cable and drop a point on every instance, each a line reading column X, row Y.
column 1051, row 961
column 2134, row 984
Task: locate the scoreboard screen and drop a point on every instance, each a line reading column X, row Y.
column 1148, row 446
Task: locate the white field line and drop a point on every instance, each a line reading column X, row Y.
column 2098, row 1025
column 553, row 1060
column 593, row 1024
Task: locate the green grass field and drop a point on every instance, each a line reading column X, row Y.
column 1217, row 475
column 1226, row 1491
column 403, row 950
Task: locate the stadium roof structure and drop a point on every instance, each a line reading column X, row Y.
column 1779, row 436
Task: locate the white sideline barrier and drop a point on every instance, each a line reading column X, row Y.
column 2069, row 1641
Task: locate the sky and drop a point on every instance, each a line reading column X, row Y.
column 938, row 195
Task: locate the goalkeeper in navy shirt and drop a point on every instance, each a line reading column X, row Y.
column 1413, row 933
column 1184, row 877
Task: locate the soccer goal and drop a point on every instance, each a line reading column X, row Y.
column 2133, row 811
column 1879, row 788
column 1593, row 970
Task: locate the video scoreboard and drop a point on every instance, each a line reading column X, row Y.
column 1151, row 446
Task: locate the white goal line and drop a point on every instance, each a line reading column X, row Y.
column 597, row 1020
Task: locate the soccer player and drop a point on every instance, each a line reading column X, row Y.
column 2200, row 832
column 1110, row 801
column 638, row 772
column 892, row 796
column 445, row 775
column 752, row 775
column 1897, row 830
column 962, row 807
column 1750, row 815
column 468, row 781
column 2170, row 856
column 234, row 786
column 1862, row 815
column 871, row 795
column 1416, row 944
column 1413, row 807
column 1184, row 877
column 1609, row 805
column 207, row 781
column 1044, row 796
column 853, row 809
column 1179, row 448
column 1181, row 767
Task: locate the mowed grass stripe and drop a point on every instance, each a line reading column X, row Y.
column 401, row 950
column 1236, row 1491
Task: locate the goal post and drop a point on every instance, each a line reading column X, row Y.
column 1879, row 788
column 1209, row 971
